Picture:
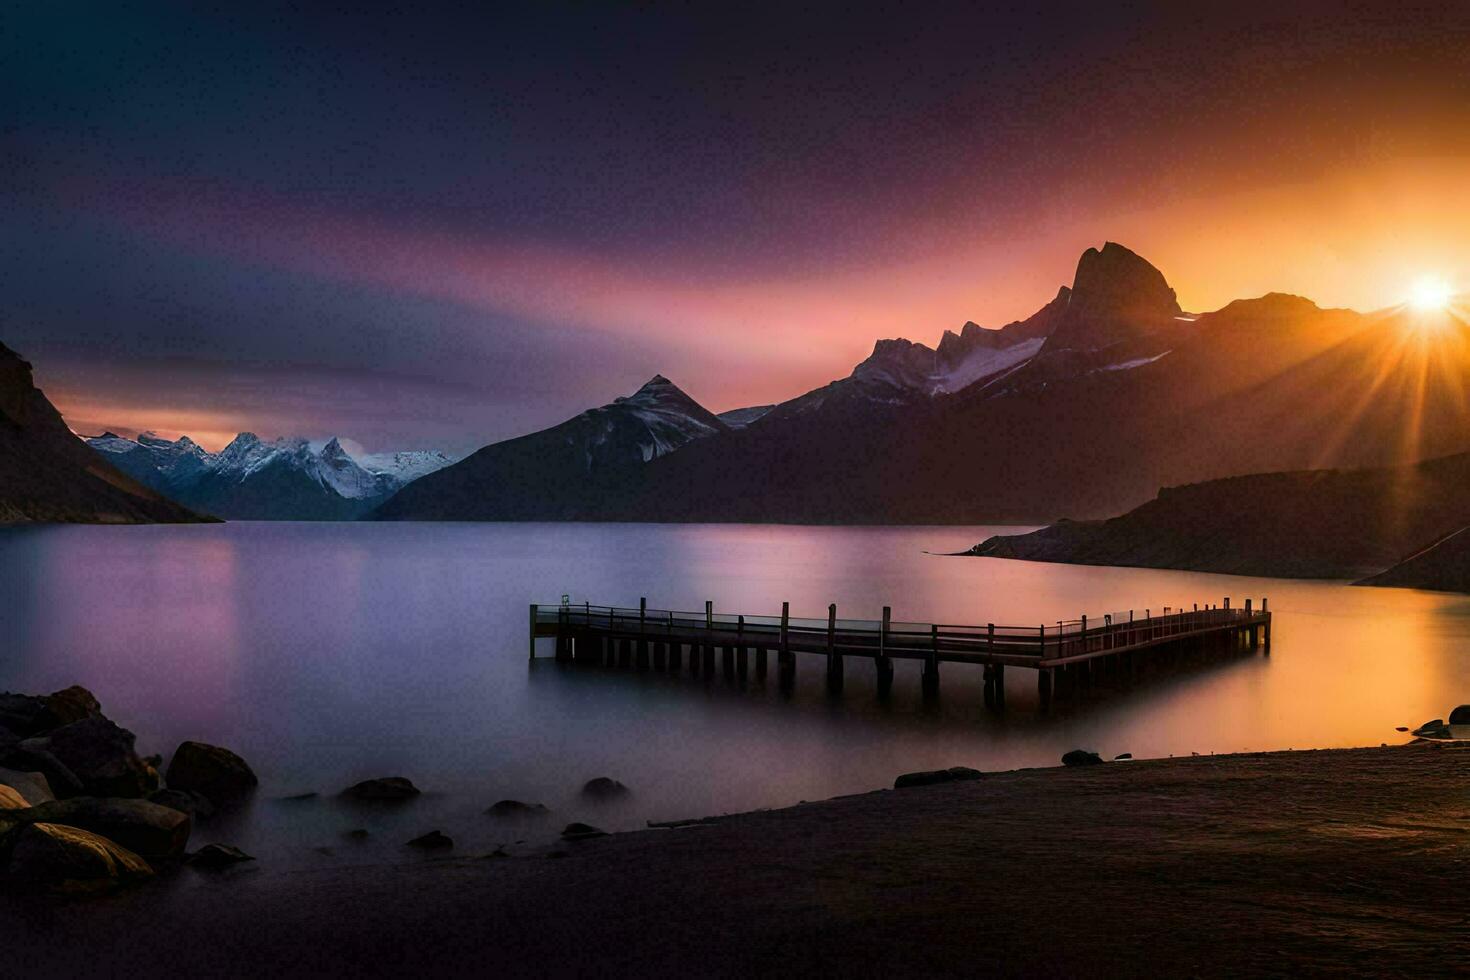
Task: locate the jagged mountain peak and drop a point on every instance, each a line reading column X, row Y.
column 1116, row 295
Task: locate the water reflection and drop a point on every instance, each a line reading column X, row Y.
column 331, row 653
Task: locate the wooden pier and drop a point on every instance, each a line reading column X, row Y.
column 1064, row 654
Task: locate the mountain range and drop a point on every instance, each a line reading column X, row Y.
column 252, row 479
column 1084, row 409
column 47, row 474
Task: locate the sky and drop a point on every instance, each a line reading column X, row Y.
column 444, row 225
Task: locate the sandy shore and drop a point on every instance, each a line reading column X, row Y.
column 1352, row 861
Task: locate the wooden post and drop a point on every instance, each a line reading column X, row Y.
column 1000, row 687
column 785, row 660
column 742, row 655
column 834, row 660
column 884, row 663
column 641, row 651
column 990, row 638
column 1041, row 641
column 930, row 680
column 533, row 631
column 1084, row 632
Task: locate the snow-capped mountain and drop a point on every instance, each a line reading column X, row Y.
column 253, row 479
column 547, row 474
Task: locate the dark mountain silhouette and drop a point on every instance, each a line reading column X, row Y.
column 1442, row 567
column 1310, row 524
column 48, row 474
column 1064, row 429
column 558, row 473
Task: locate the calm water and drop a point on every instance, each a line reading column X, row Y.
column 330, row 653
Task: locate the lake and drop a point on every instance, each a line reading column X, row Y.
column 329, row 653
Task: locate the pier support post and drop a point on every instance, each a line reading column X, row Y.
column 760, row 663
column 989, row 675
column 676, row 656
column 559, row 630
column 1000, row 687
column 625, row 652
column 834, row 660
column 660, row 655
column 641, row 654
column 883, row 662
column 742, row 662
column 929, row 680
column 1043, row 688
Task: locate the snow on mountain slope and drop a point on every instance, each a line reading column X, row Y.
column 251, row 478
column 405, row 466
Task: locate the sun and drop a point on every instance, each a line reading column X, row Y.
column 1430, row 294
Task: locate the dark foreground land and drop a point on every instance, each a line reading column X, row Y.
column 1353, row 861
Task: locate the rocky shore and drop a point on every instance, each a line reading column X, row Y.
column 1316, row 862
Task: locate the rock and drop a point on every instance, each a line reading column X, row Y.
column 1122, row 756
column 432, row 841
column 70, row 860
column 515, row 808
column 153, row 831
column 218, row 774
column 581, row 831
column 32, row 786
column 11, row 800
column 388, row 788
column 34, row 756
column 72, row 704
column 603, row 788
column 97, row 754
column 24, row 715
column 195, row 805
column 213, row 857
column 950, row 775
column 1081, row 757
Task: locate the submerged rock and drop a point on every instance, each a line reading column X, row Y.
column 153, row 831
column 950, row 775
column 432, row 841
column 213, row 857
column 71, row 860
column 604, row 788
column 1081, row 757
column 387, row 788
column 217, row 773
column 515, row 808
column 582, row 831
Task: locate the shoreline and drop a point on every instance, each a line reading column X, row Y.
column 1300, row 861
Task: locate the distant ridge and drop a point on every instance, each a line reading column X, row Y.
column 1308, row 524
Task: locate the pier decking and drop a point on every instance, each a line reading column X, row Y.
column 1061, row 653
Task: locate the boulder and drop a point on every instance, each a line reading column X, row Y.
column 951, row 775
column 218, row 774
column 32, row 786
column 214, row 857
column 24, row 715
column 153, row 831
column 603, row 788
column 34, row 756
column 432, row 841
column 1122, row 756
column 195, row 805
column 386, row 789
column 72, row 704
column 582, row 831
column 1081, row 757
column 515, row 808
column 11, row 800
column 70, row 860
column 97, row 754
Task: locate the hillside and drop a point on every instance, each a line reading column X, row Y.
column 47, row 474
column 1311, row 524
